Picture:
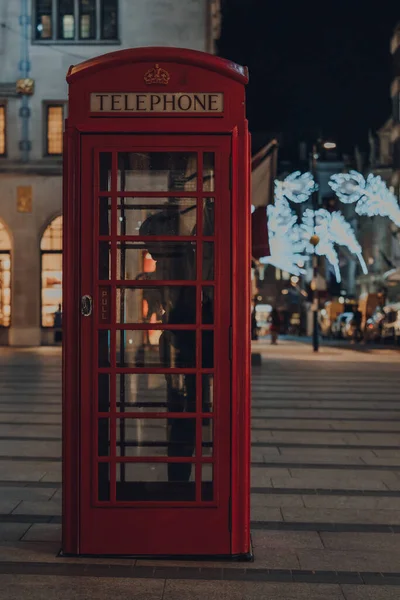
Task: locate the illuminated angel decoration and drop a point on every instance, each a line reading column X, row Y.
column 332, row 229
column 296, row 187
column 285, row 241
column 290, row 240
column 372, row 195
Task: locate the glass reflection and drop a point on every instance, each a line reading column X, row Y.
column 208, row 216
column 156, row 437
column 156, row 216
column 161, row 304
column 153, row 392
column 174, row 349
column 151, row 481
column 208, row 172
column 157, row 171
column 163, row 261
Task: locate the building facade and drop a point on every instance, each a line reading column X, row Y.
column 39, row 40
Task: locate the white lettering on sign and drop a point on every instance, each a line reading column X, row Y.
column 199, row 102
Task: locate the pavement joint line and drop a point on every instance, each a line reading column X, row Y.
column 324, row 527
column 359, row 420
column 326, row 408
column 323, row 492
column 323, row 466
column 327, row 446
column 196, row 572
column 313, row 430
column 30, row 484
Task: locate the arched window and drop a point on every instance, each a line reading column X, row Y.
column 5, row 277
column 51, row 269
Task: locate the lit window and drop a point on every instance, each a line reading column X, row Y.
column 51, row 266
column 44, row 15
column 2, row 130
column 55, row 117
column 69, row 20
column 87, row 13
column 5, row 277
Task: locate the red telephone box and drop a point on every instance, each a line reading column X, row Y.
column 156, row 386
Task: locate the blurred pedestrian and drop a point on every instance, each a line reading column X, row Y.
column 275, row 321
column 58, row 325
column 356, row 323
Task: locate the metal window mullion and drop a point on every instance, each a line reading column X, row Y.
column 98, row 20
column 55, row 21
column 77, row 27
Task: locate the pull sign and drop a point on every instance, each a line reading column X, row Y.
column 104, row 305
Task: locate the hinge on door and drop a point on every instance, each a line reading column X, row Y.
column 230, row 513
column 230, row 342
column 230, row 173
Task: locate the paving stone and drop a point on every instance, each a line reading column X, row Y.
column 275, row 500
column 356, row 502
column 266, row 514
column 285, row 540
column 35, row 587
column 327, row 482
column 387, row 542
column 17, row 494
column 12, row 532
column 224, row 590
column 366, row 592
column 50, row 508
column 43, row 532
column 348, row 560
column 311, row 515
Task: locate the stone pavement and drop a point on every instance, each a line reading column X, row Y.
column 325, row 487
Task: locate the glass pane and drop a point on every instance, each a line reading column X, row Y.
column 157, row 305
column 55, row 129
column 208, row 216
column 163, row 261
column 103, row 437
column 174, row 349
column 44, row 9
column 157, row 171
column 66, row 20
column 51, row 286
column 151, row 392
column 156, row 437
column 109, row 20
column 103, row 392
column 208, row 393
column 207, row 482
column 105, row 167
column 207, row 437
column 52, row 237
column 156, row 216
column 104, row 216
column 207, row 305
column 208, row 172
column 208, row 349
column 2, row 130
column 208, row 261
column 156, row 481
column 105, row 260
column 104, row 348
column 104, row 482
column 87, row 11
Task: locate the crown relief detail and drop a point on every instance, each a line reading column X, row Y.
column 157, row 75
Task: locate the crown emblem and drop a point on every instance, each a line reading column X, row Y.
column 157, row 75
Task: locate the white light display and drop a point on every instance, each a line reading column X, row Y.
column 372, row 195
column 296, row 187
column 284, row 239
column 349, row 187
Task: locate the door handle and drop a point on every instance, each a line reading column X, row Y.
column 86, row 305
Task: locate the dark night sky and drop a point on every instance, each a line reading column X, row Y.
column 315, row 67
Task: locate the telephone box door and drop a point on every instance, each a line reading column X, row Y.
column 155, row 436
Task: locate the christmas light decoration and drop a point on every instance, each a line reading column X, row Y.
column 372, row 195
column 296, row 187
